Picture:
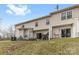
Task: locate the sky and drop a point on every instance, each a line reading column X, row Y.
column 11, row 14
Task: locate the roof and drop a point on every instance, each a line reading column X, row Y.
column 62, row 10
column 65, row 9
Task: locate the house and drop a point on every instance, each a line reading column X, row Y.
column 58, row 24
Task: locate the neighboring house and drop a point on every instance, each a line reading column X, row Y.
column 61, row 23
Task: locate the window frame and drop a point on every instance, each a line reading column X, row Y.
column 66, row 32
column 36, row 24
column 23, row 26
column 63, row 17
column 47, row 22
column 69, row 14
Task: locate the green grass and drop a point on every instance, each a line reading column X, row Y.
column 64, row 46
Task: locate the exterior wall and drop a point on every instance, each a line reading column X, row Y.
column 75, row 28
column 55, row 20
column 26, row 34
column 57, row 30
column 75, row 12
column 30, row 34
column 41, row 31
column 17, row 32
column 41, row 24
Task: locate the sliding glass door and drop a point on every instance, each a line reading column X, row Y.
column 66, row 32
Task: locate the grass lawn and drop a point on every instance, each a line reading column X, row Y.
column 64, row 46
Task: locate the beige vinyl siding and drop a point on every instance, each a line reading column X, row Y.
column 41, row 24
column 56, row 18
column 57, row 30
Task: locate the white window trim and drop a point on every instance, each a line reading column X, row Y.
column 66, row 15
column 46, row 21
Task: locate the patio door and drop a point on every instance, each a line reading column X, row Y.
column 66, row 32
column 39, row 35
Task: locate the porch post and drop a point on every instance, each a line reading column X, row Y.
column 22, row 33
column 50, row 32
column 28, row 34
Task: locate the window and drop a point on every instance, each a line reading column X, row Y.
column 69, row 15
column 66, row 15
column 47, row 22
column 22, row 26
column 63, row 16
column 66, row 32
column 63, row 33
column 36, row 24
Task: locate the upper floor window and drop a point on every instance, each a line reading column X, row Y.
column 69, row 14
column 47, row 22
column 63, row 16
column 66, row 15
column 36, row 24
column 22, row 26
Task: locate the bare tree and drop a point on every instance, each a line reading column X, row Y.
column 8, row 32
column 11, row 31
column 0, row 27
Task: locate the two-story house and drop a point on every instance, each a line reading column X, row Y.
column 58, row 24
